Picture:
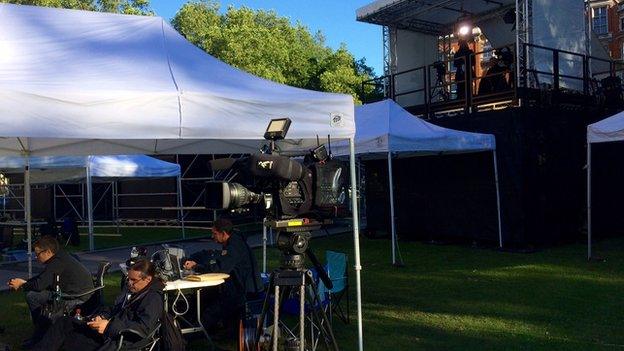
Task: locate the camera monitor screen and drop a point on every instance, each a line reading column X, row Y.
column 277, row 129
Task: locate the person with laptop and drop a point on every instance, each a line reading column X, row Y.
column 236, row 259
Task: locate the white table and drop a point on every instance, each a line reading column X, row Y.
column 181, row 285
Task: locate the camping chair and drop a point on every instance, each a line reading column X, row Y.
column 290, row 306
column 337, row 269
column 96, row 298
column 130, row 339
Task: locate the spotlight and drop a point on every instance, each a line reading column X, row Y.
column 463, row 27
column 464, row 30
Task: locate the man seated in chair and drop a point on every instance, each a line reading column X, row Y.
column 235, row 259
column 138, row 308
column 74, row 278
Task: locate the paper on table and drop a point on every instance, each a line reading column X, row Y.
column 206, row 277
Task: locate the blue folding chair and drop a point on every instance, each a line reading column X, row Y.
column 337, row 263
column 290, row 306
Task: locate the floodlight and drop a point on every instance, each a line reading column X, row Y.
column 464, row 26
column 464, row 30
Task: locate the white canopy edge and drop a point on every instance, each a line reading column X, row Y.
column 607, row 130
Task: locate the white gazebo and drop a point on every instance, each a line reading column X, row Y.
column 90, row 169
column 89, row 83
column 385, row 130
column 608, row 130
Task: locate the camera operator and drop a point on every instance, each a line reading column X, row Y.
column 138, row 308
column 236, row 259
column 74, row 278
column 464, row 62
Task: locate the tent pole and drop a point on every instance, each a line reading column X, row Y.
column 264, row 245
column 356, row 241
column 54, row 202
column 392, row 224
column 359, row 183
column 589, row 223
column 90, row 206
column 181, row 210
column 115, row 206
column 27, row 213
column 498, row 206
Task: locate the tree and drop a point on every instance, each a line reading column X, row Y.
column 130, row 7
column 265, row 44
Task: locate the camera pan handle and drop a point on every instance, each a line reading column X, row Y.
column 319, row 268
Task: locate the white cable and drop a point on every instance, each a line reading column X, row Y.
column 175, row 302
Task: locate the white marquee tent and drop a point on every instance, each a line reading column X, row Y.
column 608, row 130
column 87, row 83
column 385, row 130
column 64, row 169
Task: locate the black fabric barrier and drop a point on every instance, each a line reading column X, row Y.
column 607, row 189
column 541, row 159
column 437, row 198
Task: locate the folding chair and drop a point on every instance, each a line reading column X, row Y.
column 133, row 340
column 290, row 306
column 96, row 295
column 337, row 270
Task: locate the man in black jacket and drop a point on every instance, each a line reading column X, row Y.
column 235, row 259
column 74, row 278
column 139, row 308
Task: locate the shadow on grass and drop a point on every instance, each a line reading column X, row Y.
column 458, row 298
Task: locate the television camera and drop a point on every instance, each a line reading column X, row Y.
column 297, row 197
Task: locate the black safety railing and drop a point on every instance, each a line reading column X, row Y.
column 451, row 84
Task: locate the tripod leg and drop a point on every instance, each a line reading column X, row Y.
column 265, row 310
column 302, row 315
column 276, row 308
column 324, row 326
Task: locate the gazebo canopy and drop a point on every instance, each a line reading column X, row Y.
column 80, row 82
column 60, row 169
column 385, row 126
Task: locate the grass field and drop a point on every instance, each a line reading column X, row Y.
column 460, row 298
column 109, row 237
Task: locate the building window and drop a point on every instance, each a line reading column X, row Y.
column 599, row 20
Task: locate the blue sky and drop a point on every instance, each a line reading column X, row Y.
column 336, row 19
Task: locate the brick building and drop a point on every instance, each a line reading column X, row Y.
column 607, row 19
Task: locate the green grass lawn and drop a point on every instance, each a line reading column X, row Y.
column 109, row 237
column 460, row 298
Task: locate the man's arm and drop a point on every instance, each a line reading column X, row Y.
column 144, row 319
column 44, row 280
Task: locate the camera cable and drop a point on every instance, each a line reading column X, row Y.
column 175, row 303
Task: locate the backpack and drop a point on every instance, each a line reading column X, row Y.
column 171, row 338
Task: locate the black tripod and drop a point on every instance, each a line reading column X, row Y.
column 291, row 277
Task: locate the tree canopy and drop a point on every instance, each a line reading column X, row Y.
column 129, row 7
column 270, row 46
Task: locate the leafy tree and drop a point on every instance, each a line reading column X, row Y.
column 265, row 44
column 130, row 7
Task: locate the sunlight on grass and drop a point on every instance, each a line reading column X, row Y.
column 459, row 298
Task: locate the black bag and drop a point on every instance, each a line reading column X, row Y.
column 54, row 309
column 171, row 338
